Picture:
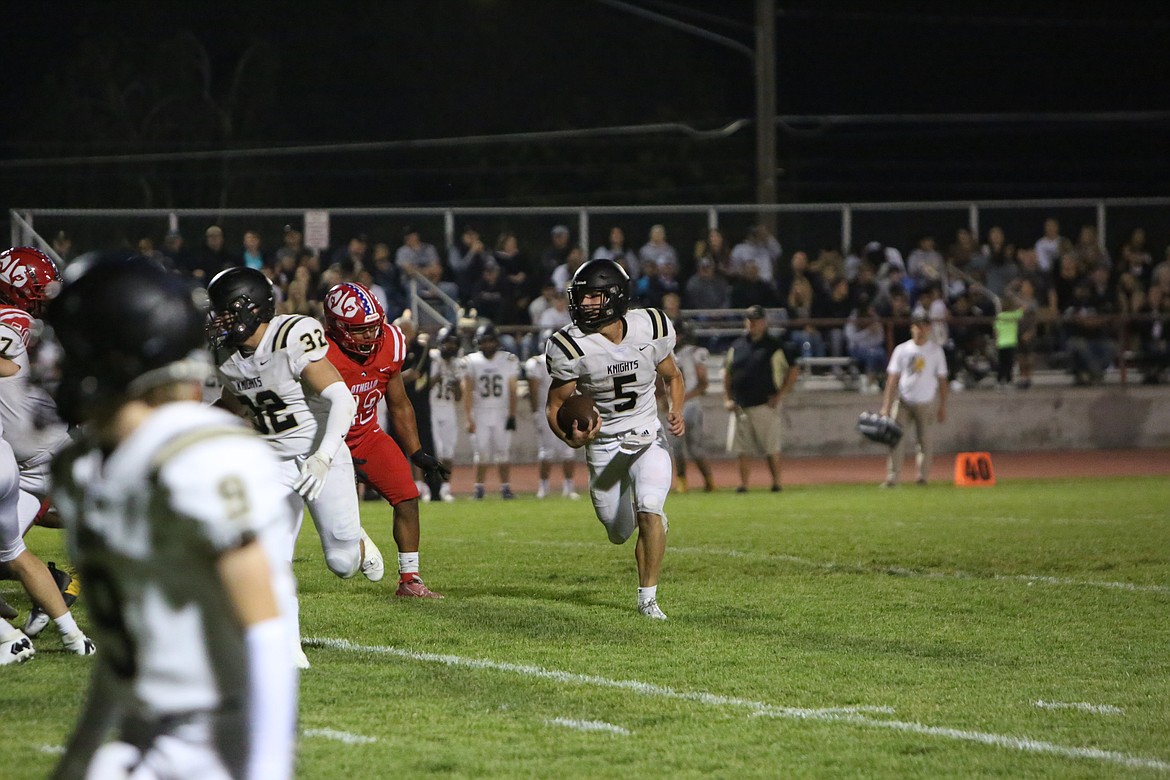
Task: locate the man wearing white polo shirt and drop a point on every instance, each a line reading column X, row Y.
column 916, row 391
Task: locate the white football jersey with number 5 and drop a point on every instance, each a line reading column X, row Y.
column 619, row 377
column 268, row 384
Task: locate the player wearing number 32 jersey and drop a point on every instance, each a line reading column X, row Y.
column 616, row 355
column 274, row 372
column 368, row 353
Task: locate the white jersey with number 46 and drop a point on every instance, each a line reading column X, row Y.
column 619, row 377
column 268, row 384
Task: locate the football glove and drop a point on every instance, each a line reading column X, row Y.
column 311, row 481
column 431, row 466
column 876, row 427
column 510, row 424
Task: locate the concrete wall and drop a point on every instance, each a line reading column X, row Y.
column 820, row 421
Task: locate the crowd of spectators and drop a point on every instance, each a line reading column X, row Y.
column 1065, row 290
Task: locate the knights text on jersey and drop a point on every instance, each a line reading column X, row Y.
column 367, row 381
column 489, row 379
column 162, row 619
column 619, row 377
column 268, row 383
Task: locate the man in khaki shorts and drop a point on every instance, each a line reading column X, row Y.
column 756, row 375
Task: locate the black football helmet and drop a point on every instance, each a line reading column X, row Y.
column 448, row 340
column 487, row 339
column 241, row 299
column 599, row 277
column 125, row 325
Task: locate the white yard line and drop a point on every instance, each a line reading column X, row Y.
column 1083, row 706
column 831, row 714
column 858, row 569
column 339, row 736
column 52, row 750
column 589, row 725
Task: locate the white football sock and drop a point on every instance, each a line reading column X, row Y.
column 66, row 624
column 408, row 563
column 646, row 595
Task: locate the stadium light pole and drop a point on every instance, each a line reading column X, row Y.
column 765, row 60
column 763, row 57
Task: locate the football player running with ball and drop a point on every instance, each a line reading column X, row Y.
column 368, row 353
column 616, row 356
column 274, row 372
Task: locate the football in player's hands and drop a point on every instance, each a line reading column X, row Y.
column 579, row 408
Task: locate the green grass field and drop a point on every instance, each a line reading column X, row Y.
column 1016, row 631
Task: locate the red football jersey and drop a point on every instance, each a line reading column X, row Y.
column 367, row 381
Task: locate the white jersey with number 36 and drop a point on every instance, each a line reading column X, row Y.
column 490, row 378
column 619, row 377
column 268, row 384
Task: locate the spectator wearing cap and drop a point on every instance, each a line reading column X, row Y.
column 706, row 289
column 555, row 254
column 916, row 392
column 756, row 376
column 212, row 257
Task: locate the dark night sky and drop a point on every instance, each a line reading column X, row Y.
column 415, row 69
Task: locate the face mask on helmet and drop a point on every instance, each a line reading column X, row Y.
column 598, row 294
column 354, row 319
column 29, row 279
column 242, row 299
column 235, row 324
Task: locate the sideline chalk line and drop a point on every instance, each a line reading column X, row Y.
column 831, row 714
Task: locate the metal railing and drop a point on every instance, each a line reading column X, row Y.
column 845, row 216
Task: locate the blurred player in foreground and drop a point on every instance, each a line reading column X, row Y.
column 616, row 356
column 368, row 353
column 174, row 517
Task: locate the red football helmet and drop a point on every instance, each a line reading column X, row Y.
column 28, row 279
column 354, row 318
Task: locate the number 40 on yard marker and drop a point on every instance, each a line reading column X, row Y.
column 973, row 469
